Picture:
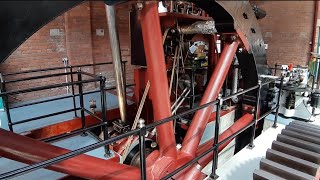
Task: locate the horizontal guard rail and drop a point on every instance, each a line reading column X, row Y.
column 56, row 68
column 47, row 87
column 39, row 77
column 141, row 132
column 65, row 97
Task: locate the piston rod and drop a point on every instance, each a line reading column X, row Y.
column 116, row 58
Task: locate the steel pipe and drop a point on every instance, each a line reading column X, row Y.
column 213, row 55
column 235, row 79
column 201, row 118
column 116, row 57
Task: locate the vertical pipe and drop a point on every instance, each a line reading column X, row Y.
column 142, row 156
column 83, row 120
column 103, row 114
column 225, row 88
column 6, row 104
column 278, row 103
column 192, row 89
column 213, row 55
column 314, row 28
column 152, row 39
column 316, row 74
column 116, row 57
column 316, row 78
column 213, row 174
column 200, row 120
column 256, row 114
column 235, row 76
column 65, row 65
column 124, row 80
column 72, row 91
column 142, row 149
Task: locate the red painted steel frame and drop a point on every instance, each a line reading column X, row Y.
column 200, row 120
column 152, row 39
column 159, row 162
column 27, row 150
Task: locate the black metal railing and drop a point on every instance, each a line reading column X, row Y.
column 94, row 78
column 141, row 132
column 80, row 82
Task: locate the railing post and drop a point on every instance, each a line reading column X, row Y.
column 6, row 103
column 103, row 115
column 192, row 88
column 213, row 174
column 125, row 78
column 256, row 114
column 72, row 91
column 142, row 148
column 83, row 119
column 278, row 104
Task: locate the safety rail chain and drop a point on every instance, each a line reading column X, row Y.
column 141, row 132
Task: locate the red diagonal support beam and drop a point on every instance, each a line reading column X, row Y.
column 242, row 122
column 29, row 151
column 201, row 118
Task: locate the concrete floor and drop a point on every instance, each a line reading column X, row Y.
column 22, row 113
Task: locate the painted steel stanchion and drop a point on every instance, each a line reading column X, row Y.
column 256, row 114
column 213, row 174
column 142, row 148
column 80, row 85
column 103, row 115
column 278, row 104
column 72, row 91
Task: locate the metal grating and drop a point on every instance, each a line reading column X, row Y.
column 294, row 155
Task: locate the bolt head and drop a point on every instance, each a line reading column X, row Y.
column 179, row 146
column 154, row 144
column 139, row 6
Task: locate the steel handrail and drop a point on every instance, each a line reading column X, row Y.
column 141, row 132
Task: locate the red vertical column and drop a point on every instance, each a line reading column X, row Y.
column 152, row 39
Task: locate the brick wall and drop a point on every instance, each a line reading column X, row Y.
column 287, row 29
column 77, row 40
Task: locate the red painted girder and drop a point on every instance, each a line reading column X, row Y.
column 29, row 151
